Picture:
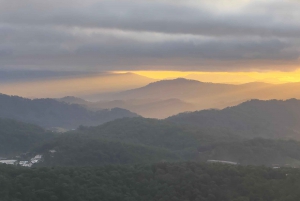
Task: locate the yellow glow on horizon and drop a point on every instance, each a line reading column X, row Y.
column 275, row 77
column 159, row 75
column 76, row 86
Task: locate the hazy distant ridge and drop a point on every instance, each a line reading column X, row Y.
column 52, row 113
column 204, row 95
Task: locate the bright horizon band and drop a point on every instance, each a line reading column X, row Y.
column 275, row 77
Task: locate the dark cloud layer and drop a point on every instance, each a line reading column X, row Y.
column 148, row 35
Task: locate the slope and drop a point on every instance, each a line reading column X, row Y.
column 138, row 140
column 17, row 137
column 256, row 151
column 52, row 113
column 80, row 150
column 255, row 118
column 148, row 132
column 161, row 181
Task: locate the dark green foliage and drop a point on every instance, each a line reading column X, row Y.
column 17, row 137
column 255, row 118
column 125, row 141
column 139, row 140
column 257, row 152
column 163, row 182
column 52, row 113
column 80, row 150
column 150, row 132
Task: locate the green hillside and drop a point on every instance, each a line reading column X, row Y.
column 17, row 137
column 79, row 150
column 255, row 118
column 139, row 140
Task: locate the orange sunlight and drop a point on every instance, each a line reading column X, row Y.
column 274, row 77
column 78, row 86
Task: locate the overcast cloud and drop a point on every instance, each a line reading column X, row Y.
column 235, row 35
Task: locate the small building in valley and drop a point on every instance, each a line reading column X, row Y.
column 36, row 159
column 25, row 163
column 9, row 162
column 224, row 162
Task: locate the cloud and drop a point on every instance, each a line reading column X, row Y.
column 263, row 18
column 130, row 34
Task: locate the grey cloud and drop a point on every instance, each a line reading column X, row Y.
column 214, row 49
column 165, row 17
column 12, row 76
column 128, row 35
column 53, row 49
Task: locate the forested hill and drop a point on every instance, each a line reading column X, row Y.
column 123, row 141
column 81, row 150
column 255, row 152
column 139, row 140
column 52, row 113
column 255, row 118
column 149, row 132
column 17, row 137
column 161, row 181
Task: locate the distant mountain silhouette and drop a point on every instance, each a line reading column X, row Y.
column 178, row 88
column 203, row 95
column 52, row 113
column 185, row 89
column 255, row 118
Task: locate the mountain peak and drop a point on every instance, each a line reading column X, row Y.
column 175, row 81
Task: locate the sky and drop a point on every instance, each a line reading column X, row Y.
column 219, row 37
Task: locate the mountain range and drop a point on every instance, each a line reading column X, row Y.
column 210, row 95
column 255, row 132
column 165, row 98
